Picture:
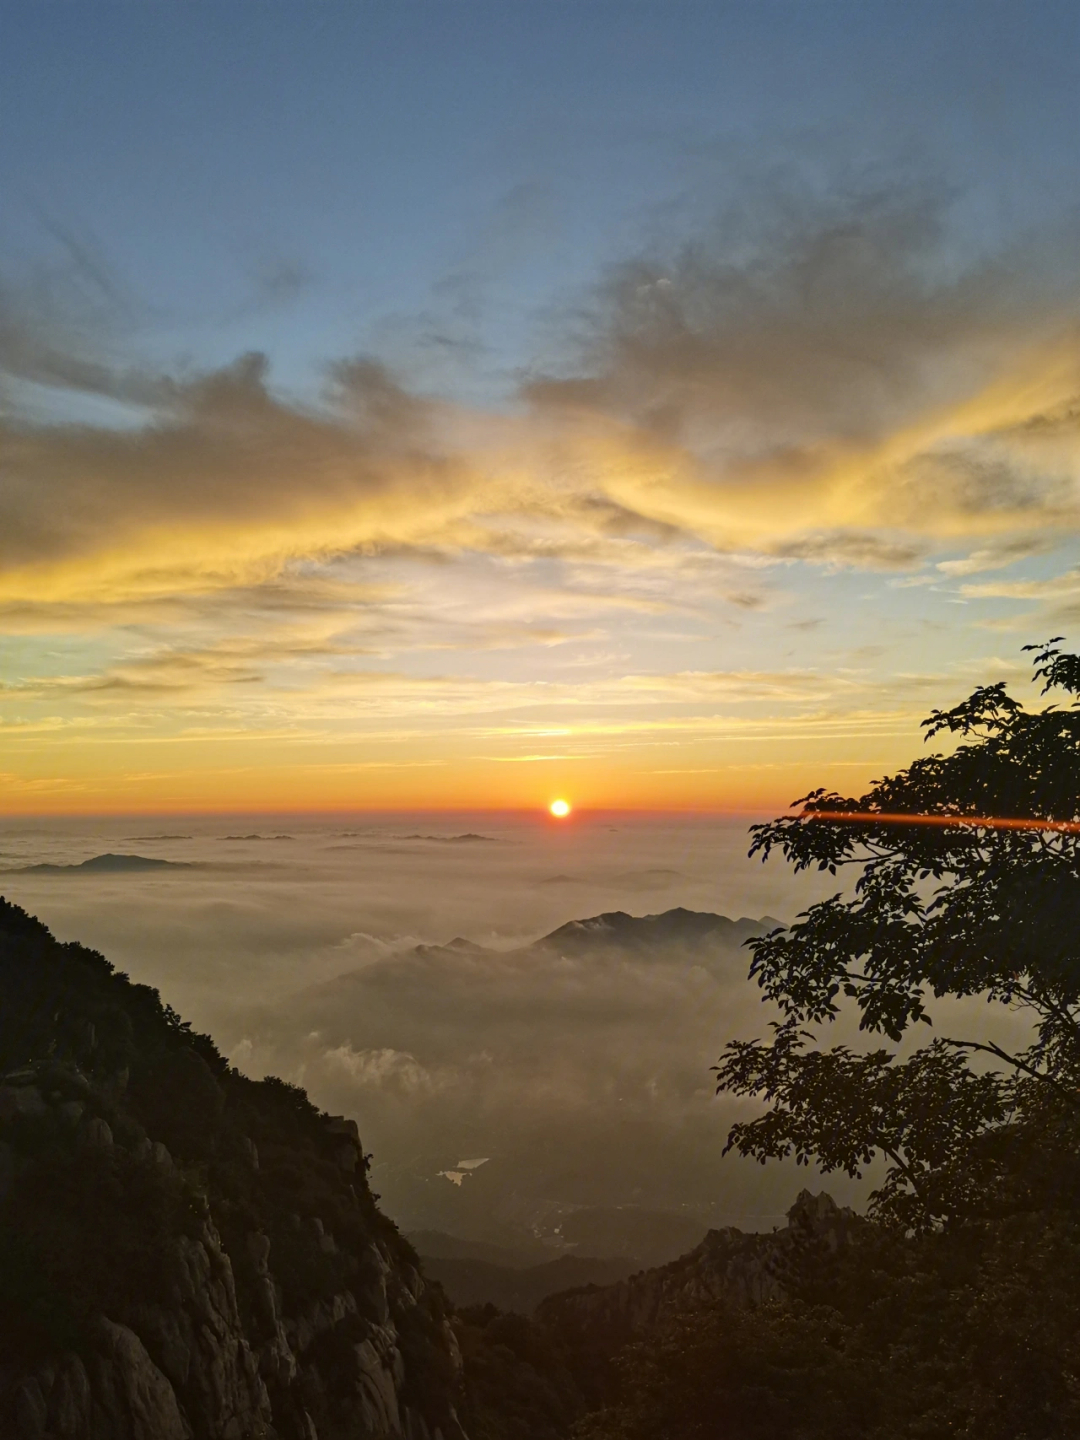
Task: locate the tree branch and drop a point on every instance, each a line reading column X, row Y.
column 1017, row 1063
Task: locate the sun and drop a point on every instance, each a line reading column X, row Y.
column 560, row 809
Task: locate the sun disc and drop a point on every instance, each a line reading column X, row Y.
column 560, row 809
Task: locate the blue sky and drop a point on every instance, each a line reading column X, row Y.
column 313, row 178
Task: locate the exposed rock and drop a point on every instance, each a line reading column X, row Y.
column 339, row 1125
column 382, row 1371
column 241, row 1291
column 69, row 1397
column 199, row 1342
column 137, row 1400
column 349, row 1154
column 114, row 1085
column 347, row 1159
column 30, row 1411
column 729, row 1264
column 24, row 1101
column 61, row 1080
column 95, row 1134
column 7, row 1169
column 117, row 1394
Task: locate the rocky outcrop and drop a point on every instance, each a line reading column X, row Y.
column 728, row 1265
column 198, row 1345
column 186, row 1254
column 115, row 1391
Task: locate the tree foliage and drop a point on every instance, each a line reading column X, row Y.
column 967, row 1334
column 721, row 1373
column 945, row 906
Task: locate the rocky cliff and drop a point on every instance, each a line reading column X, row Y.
column 729, row 1266
column 533, row 1378
column 186, row 1254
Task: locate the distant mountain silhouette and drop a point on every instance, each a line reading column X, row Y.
column 438, row 1245
column 459, row 943
column 645, row 932
column 651, row 879
column 478, row 1282
column 612, row 1231
column 108, row 864
column 633, row 1235
column 676, row 929
column 748, row 1269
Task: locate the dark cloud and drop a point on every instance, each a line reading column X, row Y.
column 809, row 318
column 221, row 449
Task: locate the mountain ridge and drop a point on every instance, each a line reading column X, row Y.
column 185, row 1253
column 619, row 930
column 618, row 927
column 520, row 1289
column 728, row 1265
column 107, row 863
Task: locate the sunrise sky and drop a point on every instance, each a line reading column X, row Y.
column 437, row 404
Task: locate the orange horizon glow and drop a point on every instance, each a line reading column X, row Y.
column 747, row 813
column 975, row 822
column 450, row 784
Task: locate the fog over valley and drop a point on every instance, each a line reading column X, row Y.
column 508, row 1085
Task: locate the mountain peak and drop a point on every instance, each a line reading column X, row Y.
column 677, row 926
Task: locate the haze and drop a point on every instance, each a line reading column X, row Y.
column 582, row 1079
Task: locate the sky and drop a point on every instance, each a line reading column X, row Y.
column 459, row 405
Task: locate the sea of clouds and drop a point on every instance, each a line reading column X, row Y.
column 318, row 949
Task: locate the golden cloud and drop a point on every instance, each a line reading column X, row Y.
column 840, row 394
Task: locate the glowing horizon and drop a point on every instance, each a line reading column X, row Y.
column 974, row 822
column 532, row 812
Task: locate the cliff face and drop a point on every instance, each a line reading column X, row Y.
column 186, row 1254
column 729, row 1265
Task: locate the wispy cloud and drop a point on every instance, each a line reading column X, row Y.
column 830, row 383
column 1050, row 589
column 838, row 391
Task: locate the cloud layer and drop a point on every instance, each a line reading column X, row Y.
column 822, row 383
column 333, row 958
column 835, row 363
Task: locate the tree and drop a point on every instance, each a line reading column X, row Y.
column 966, row 883
column 721, row 1372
